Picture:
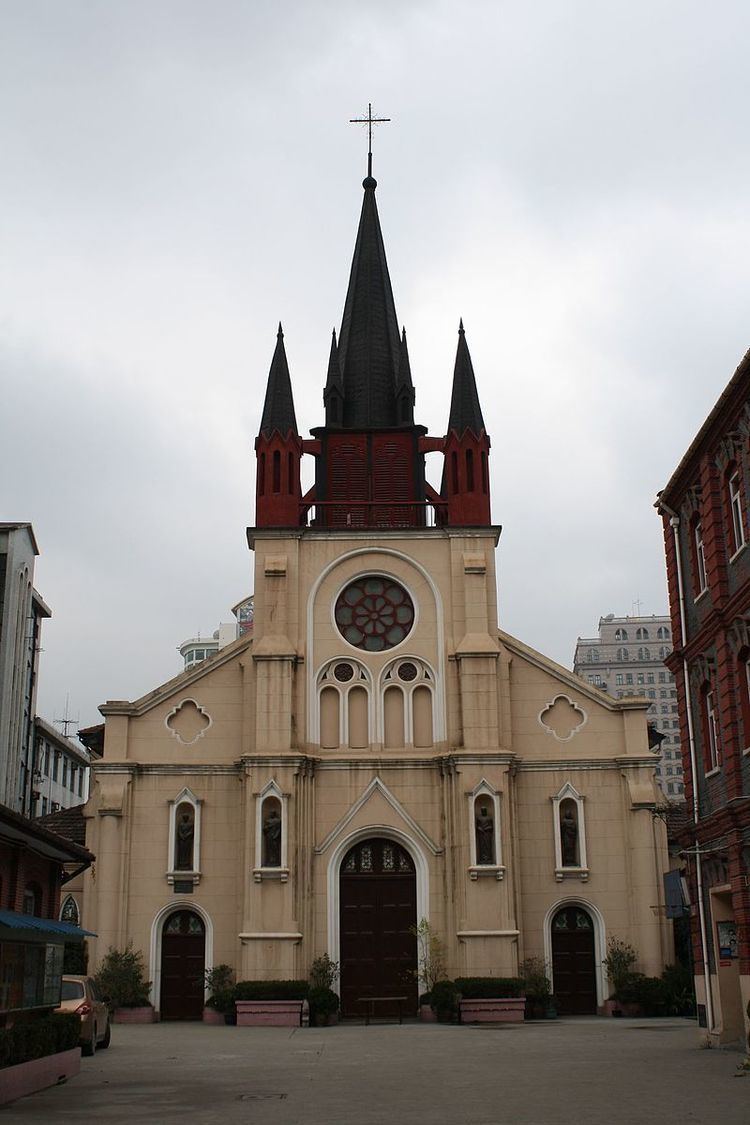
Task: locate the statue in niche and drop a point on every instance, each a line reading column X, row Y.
column 569, row 837
column 185, row 837
column 484, row 827
column 272, row 838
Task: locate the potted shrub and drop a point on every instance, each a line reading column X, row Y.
column 272, row 1003
column 323, row 1000
column 539, row 1003
column 621, row 956
column 431, row 957
column 121, row 978
column 491, row 999
column 444, row 1000
column 220, row 1003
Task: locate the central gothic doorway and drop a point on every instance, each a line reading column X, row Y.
column 183, row 962
column 574, row 962
column 378, row 917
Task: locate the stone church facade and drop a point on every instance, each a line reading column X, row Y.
column 377, row 751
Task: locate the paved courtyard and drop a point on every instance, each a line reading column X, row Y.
column 572, row 1072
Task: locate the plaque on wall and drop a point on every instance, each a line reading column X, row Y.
column 183, row 886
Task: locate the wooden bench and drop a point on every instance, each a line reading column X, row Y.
column 371, row 1001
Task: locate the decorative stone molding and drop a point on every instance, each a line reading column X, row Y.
column 476, row 870
column 562, row 718
column 187, row 722
column 738, row 634
column 184, row 797
column 702, row 670
column 261, row 871
column 727, row 450
column 691, row 503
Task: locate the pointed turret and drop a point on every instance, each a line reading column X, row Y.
column 465, row 484
column 466, row 413
column 333, row 395
column 278, row 408
column 404, row 386
column 278, row 449
column 369, row 340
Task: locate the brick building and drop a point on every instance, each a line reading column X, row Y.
column 704, row 509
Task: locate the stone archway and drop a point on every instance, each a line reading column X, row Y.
column 377, row 919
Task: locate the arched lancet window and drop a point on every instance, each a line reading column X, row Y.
column 641, row 634
column 485, row 475
column 408, row 700
column 289, row 473
column 69, row 911
column 622, row 654
column 621, row 634
column 662, row 633
column 183, row 860
column 262, row 474
column 454, row 471
column 276, row 471
column 271, row 847
column 470, row 470
column 569, row 834
column 344, row 700
column 484, row 831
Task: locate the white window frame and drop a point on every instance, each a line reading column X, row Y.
column 713, row 733
column 484, row 789
column 185, row 797
column 569, row 792
column 271, row 789
column 361, row 678
column 735, row 505
column 700, row 557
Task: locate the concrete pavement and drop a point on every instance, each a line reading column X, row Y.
column 567, row 1072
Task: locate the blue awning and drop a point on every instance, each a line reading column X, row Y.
column 29, row 922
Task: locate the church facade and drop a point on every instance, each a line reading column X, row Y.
column 377, row 753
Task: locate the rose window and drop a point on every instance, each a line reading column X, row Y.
column 374, row 614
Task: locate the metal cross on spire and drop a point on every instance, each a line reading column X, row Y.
column 369, row 121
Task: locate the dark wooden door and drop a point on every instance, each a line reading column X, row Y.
column 378, row 918
column 573, row 962
column 183, row 962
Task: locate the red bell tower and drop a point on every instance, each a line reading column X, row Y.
column 370, row 453
column 466, row 483
column 278, row 450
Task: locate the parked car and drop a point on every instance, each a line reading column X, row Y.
column 79, row 995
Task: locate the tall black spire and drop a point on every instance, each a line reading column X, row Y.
column 466, row 413
column 278, row 408
column 369, row 341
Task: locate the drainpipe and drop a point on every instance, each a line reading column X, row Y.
column 674, row 523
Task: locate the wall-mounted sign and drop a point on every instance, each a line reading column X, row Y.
column 726, row 933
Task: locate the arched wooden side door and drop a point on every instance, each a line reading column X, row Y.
column 574, row 961
column 183, row 962
column 378, row 917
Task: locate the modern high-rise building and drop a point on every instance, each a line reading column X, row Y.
column 61, row 771
column 627, row 659
column 21, row 613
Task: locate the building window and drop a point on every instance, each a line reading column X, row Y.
column 32, row 900
column 641, row 634
column 662, row 633
column 735, row 508
column 710, row 730
column 618, row 679
column 65, row 773
column 622, row 654
column 621, row 634
column 628, row 677
column 56, row 765
column 699, row 558
column 344, row 692
column 662, row 677
column 650, row 678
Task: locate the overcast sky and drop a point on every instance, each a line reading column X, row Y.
column 175, row 178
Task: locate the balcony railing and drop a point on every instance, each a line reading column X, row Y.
column 368, row 513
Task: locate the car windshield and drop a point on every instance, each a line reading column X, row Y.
column 72, row 990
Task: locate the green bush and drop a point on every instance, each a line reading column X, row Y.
column 489, row 988
column 621, row 956
column 323, row 1003
column 680, row 992
column 323, row 972
column 444, row 999
column 39, row 1037
column 535, row 981
column 271, row 990
column 220, row 984
column 650, row 993
column 121, row 977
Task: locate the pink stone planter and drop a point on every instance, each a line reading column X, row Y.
column 504, row 1010
column 272, row 1013
column 38, row 1074
column 211, row 1016
column 134, row 1015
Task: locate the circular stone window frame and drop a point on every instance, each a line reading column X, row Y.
column 359, row 577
